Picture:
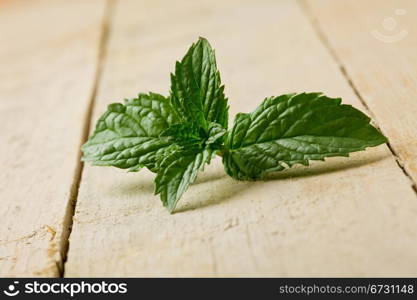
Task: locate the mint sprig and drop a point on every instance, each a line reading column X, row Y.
column 176, row 136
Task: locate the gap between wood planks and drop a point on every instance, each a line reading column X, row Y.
column 322, row 36
column 101, row 54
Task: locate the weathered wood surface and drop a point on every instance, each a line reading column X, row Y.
column 345, row 217
column 379, row 53
column 48, row 58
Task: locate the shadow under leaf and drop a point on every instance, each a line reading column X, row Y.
column 331, row 165
column 226, row 188
column 214, row 192
column 216, row 187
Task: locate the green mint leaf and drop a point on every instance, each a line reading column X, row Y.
column 188, row 134
column 293, row 129
column 127, row 135
column 196, row 90
column 177, row 171
column 215, row 135
column 183, row 132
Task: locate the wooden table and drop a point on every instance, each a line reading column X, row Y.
column 62, row 62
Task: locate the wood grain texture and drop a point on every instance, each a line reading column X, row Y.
column 48, row 58
column 379, row 53
column 344, row 217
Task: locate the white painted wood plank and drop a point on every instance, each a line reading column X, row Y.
column 48, row 58
column 345, row 217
